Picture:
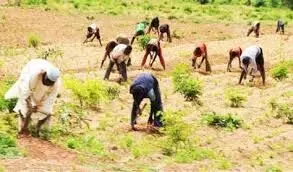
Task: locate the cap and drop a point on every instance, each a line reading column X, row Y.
column 53, row 74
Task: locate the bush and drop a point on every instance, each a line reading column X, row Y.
column 91, row 93
column 280, row 71
column 143, row 41
column 234, row 97
column 186, row 84
column 6, row 105
column 282, row 110
column 228, row 121
column 8, row 146
column 203, row 1
column 34, row 40
column 259, row 3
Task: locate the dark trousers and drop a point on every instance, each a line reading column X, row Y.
column 156, row 106
column 122, row 70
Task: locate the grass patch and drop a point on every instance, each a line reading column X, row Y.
column 274, row 169
column 281, row 70
column 34, row 40
column 283, row 110
column 6, row 105
column 228, row 121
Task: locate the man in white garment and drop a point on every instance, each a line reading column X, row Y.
column 253, row 56
column 36, row 90
column 93, row 32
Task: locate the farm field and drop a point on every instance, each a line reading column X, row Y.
column 256, row 136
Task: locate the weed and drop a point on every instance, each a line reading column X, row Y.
column 235, row 97
column 143, row 41
column 282, row 110
column 281, row 69
column 228, row 121
column 34, row 40
column 5, row 84
column 191, row 154
column 185, row 84
column 88, row 144
column 8, row 146
column 274, row 169
column 51, row 53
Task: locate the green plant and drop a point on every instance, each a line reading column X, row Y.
column 235, row 97
column 91, row 92
column 34, row 40
column 228, row 121
column 193, row 153
column 143, row 41
column 274, row 169
column 5, row 84
column 282, row 110
column 88, row 144
column 8, row 146
column 279, row 71
column 186, row 84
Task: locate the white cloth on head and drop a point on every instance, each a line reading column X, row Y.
column 251, row 52
column 30, row 85
column 118, row 53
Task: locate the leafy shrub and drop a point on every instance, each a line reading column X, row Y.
column 88, row 144
column 235, row 97
column 280, row 71
column 259, row 3
column 91, row 93
column 143, row 41
column 34, row 40
column 185, row 84
column 228, row 121
column 203, row 1
column 36, row 2
column 176, row 131
column 8, row 146
column 8, row 124
column 282, row 110
column 5, row 84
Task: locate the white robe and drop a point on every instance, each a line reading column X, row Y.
column 30, row 84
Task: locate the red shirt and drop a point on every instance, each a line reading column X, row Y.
column 236, row 50
column 203, row 50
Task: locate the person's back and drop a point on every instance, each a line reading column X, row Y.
column 122, row 39
column 145, row 81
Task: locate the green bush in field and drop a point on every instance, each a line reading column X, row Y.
column 228, row 121
column 176, row 131
column 34, row 40
column 36, row 2
column 88, row 144
column 6, row 105
column 186, row 84
column 281, row 70
column 143, row 41
column 91, row 93
column 8, row 146
column 282, row 110
column 235, row 97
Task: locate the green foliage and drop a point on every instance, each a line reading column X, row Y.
column 8, row 124
column 36, row 2
column 191, row 154
column 176, row 131
column 91, row 93
column 34, row 40
column 143, row 41
column 259, row 3
column 234, row 97
column 185, row 83
column 6, row 105
column 228, row 121
column 51, row 53
column 281, row 70
column 8, row 146
column 282, row 110
column 274, row 169
column 88, row 144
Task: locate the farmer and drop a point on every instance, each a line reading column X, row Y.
column 120, row 39
column 234, row 52
column 201, row 51
column 280, row 27
column 139, row 30
column 93, row 32
column 154, row 26
column 164, row 28
column 153, row 48
column 36, row 90
column 254, row 28
column 118, row 56
column 253, row 56
column 146, row 86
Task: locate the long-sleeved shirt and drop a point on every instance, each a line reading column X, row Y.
column 118, row 53
column 252, row 53
column 30, row 85
column 140, row 27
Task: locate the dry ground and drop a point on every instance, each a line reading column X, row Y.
column 66, row 32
